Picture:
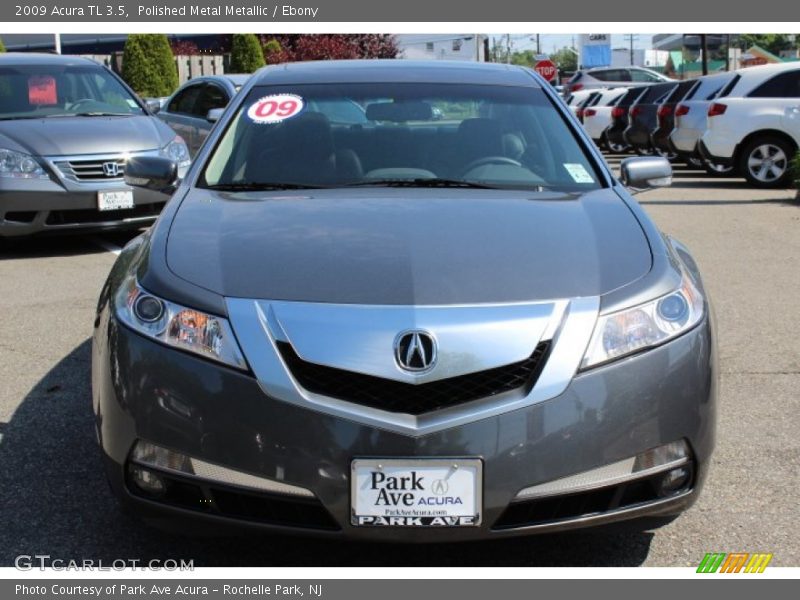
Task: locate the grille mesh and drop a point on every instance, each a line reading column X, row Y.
column 399, row 397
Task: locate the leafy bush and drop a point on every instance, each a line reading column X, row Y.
column 796, row 169
column 148, row 65
column 246, row 53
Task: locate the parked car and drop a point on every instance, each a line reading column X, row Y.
column 615, row 134
column 608, row 77
column 691, row 121
column 67, row 127
column 597, row 118
column 755, row 127
column 333, row 326
column 666, row 123
column 643, row 118
column 576, row 100
column 195, row 106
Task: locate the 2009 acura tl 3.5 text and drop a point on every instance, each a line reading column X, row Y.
column 446, row 322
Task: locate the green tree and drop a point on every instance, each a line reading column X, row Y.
column 246, row 53
column 566, row 60
column 148, row 65
column 525, row 58
column 772, row 42
column 2, row 46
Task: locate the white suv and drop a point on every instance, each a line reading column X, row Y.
column 756, row 126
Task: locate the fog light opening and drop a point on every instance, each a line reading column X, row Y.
column 674, row 481
column 149, row 482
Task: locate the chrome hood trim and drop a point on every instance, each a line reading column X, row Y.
column 471, row 338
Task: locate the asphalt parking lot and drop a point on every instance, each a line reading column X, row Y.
column 54, row 500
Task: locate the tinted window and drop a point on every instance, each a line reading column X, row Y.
column 631, row 96
column 469, row 137
column 643, row 76
column 683, row 89
column 708, row 87
column 57, row 90
column 183, row 102
column 615, row 99
column 785, row 85
column 655, row 93
column 729, row 86
column 211, row 96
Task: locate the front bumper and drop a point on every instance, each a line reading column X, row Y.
column 33, row 206
column 605, row 415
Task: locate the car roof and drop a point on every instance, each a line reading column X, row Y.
column 43, row 58
column 395, row 71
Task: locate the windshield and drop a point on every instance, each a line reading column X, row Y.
column 400, row 134
column 38, row 91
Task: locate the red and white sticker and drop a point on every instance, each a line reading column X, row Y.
column 275, row 108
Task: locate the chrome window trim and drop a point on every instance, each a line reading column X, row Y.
column 569, row 328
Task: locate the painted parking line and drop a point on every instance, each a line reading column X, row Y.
column 106, row 245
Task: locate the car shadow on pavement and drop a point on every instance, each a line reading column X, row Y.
column 55, row 501
column 46, row 246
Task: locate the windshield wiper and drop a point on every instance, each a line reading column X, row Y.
column 422, row 182
column 252, row 186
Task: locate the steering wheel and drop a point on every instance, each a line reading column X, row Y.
column 78, row 103
column 491, row 160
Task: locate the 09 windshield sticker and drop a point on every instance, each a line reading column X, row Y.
column 275, row 108
column 578, row 173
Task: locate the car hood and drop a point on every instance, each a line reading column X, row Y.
column 407, row 246
column 63, row 136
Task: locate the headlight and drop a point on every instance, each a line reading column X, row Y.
column 634, row 329
column 185, row 328
column 178, row 151
column 19, row 165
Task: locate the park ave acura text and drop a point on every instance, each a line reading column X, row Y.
column 446, row 321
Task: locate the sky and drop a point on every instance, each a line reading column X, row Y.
column 551, row 42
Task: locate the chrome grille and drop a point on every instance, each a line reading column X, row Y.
column 92, row 169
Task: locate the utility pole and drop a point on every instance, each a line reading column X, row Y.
column 704, row 50
column 631, row 38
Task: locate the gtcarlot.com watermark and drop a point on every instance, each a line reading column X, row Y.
column 27, row 562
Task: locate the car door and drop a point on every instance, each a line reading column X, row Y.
column 211, row 96
column 179, row 113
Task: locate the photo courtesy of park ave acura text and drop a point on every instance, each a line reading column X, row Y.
column 520, row 299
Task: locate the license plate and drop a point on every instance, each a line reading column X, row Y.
column 115, row 200
column 416, row 492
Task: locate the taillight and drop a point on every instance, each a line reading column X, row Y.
column 717, row 109
column 665, row 110
column 574, row 87
column 635, row 112
column 681, row 110
column 579, row 113
column 618, row 112
column 589, row 112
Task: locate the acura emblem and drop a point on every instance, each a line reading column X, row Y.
column 415, row 350
column 110, row 169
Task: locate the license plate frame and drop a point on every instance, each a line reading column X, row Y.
column 459, row 474
column 108, row 200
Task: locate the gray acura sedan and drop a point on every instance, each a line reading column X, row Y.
column 424, row 327
column 67, row 128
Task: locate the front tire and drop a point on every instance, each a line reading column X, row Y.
column 765, row 162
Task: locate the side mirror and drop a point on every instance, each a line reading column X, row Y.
column 153, row 173
column 153, row 105
column 214, row 115
column 645, row 172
